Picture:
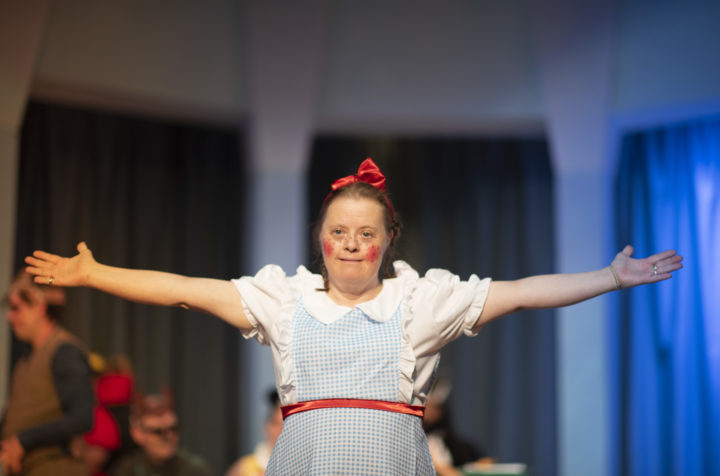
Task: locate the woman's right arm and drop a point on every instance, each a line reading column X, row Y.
column 212, row 296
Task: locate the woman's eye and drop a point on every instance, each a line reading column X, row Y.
column 367, row 234
column 337, row 232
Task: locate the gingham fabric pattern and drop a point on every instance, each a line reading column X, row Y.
column 354, row 357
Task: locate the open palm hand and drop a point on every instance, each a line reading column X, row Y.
column 48, row 268
column 658, row 267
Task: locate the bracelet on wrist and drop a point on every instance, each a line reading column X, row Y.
column 615, row 276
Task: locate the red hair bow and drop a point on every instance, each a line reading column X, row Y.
column 368, row 172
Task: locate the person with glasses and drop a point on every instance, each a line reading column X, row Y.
column 154, row 427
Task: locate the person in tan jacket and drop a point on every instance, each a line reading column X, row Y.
column 51, row 396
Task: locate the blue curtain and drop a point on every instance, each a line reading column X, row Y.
column 667, row 336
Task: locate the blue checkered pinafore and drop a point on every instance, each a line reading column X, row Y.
column 353, row 357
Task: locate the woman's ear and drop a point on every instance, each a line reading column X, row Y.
column 391, row 238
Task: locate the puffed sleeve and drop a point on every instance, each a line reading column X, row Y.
column 441, row 308
column 263, row 297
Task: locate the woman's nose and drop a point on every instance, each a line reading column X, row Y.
column 351, row 243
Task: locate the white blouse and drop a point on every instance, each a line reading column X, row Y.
column 436, row 309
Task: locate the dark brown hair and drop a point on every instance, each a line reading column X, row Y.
column 32, row 294
column 392, row 225
column 152, row 404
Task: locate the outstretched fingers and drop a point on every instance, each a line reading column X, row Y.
column 35, row 271
column 661, row 256
column 669, row 265
column 664, row 263
column 37, row 267
column 43, row 273
column 45, row 256
column 37, row 263
column 667, row 260
column 658, row 267
column 41, row 265
column 42, row 259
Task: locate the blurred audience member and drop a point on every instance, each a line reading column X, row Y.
column 254, row 464
column 448, row 449
column 110, row 435
column 51, row 397
column 154, row 427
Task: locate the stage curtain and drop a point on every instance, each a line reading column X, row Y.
column 144, row 193
column 483, row 206
column 666, row 337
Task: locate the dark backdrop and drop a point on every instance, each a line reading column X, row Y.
column 145, row 194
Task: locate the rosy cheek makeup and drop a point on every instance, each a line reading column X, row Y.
column 327, row 248
column 373, row 253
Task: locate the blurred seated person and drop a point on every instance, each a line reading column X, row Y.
column 109, row 437
column 154, row 427
column 51, row 397
column 448, row 449
column 254, row 464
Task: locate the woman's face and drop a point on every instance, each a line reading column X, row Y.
column 353, row 239
column 25, row 318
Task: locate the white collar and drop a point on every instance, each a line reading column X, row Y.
column 381, row 308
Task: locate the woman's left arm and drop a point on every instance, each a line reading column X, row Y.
column 557, row 290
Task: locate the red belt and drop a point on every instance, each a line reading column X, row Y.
column 397, row 407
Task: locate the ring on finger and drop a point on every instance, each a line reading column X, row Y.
column 654, row 270
column 50, row 280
